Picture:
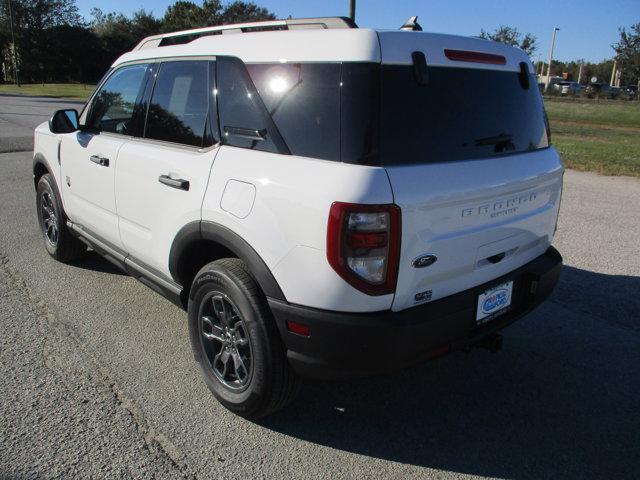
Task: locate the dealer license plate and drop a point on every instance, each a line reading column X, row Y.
column 494, row 302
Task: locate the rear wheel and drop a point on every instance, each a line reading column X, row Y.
column 58, row 241
column 236, row 343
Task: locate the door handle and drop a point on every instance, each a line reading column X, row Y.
column 102, row 161
column 178, row 183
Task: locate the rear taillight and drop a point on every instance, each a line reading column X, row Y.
column 363, row 245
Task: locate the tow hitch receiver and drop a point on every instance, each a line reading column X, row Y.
column 493, row 343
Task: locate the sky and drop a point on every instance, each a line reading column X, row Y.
column 587, row 27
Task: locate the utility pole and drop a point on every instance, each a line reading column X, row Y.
column 13, row 45
column 580, row 72
column 553, row 44
column 352, row 10
column 613, row 72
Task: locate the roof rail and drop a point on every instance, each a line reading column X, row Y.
column 186, row 36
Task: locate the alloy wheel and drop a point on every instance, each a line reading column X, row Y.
column 225, row 341
column 49, row 219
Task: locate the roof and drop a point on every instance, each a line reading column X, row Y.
column 333, row 44
column 341, row 45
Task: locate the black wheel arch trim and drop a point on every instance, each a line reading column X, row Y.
column 39, row 159
column 206, row 230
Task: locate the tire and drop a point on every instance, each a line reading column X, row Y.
column 258, row 379
column 58, row 240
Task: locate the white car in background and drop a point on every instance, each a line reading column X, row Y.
column 573, row 89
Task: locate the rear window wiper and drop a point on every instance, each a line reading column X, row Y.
column 495, row 140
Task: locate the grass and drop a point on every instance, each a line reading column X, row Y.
column 64, row 90
column 602, row 137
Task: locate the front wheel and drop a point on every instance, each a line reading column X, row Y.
column 58, row 241
column 236, row 343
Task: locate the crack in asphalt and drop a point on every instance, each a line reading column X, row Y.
column 154, row 442
column 151, row 436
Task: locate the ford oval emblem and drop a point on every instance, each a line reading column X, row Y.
column 424, row 261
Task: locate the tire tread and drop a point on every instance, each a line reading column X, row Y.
column 285, row 383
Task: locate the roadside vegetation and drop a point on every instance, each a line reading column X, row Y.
column 602, row 137
column 76, row 91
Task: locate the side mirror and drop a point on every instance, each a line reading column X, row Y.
column 64, row 121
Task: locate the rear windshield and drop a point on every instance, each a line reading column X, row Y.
column 373, row 114
column 460, row 114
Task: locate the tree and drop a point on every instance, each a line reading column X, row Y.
column 115, row 32
column 601, row 70
column 74, row 54
column 240, row 12
column 511, row 36
column 31, row 19
column 118, row 34
column 628, row 53
column 144, row 24
column 40, row 14
column 53, row 43
column 184, row 15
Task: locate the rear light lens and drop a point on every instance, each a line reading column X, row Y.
column 363, row 245
column 475, row 57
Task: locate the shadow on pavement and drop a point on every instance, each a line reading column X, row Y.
column 559, row 401
column 93, row 261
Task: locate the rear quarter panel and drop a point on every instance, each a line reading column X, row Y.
column 287, row 224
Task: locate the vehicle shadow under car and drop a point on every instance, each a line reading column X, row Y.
column 93, row 261
column 560, row 399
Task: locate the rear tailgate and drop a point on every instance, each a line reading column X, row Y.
column 465, row 143
column 470, row 214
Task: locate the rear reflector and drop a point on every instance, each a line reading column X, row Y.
column 476, row 57
column 299, row 328
column 439, row 352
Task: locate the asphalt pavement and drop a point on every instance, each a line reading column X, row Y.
column 98, row 379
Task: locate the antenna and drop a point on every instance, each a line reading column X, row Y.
column 412, row 25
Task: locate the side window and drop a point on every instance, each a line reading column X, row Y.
column 243, row 118
column 113, row 106
column 303, row 100
column 180, row 104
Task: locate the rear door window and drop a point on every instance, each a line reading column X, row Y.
column 179, row 105
column 303, row 99
column 244, row 121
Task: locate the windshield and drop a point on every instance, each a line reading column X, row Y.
column 460, row 114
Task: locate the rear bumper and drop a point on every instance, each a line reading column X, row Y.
column 344, row 345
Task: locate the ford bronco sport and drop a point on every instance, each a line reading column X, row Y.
column 325, row 201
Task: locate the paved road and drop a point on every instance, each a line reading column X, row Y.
column 98, row 378
column 20, row 114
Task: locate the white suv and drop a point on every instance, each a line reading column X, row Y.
column 325, row 201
